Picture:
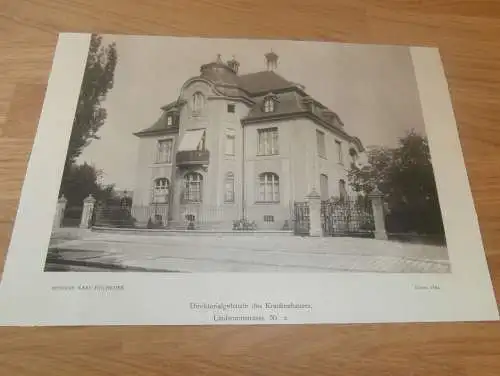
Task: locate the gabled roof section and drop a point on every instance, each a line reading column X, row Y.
column 171, row 106
column 161, row 126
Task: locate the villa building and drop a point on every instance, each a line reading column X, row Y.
column 237, row 146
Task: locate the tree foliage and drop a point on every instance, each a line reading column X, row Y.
column 405, row 176
column 82, row 180
column 78, row 181
column 98, row 79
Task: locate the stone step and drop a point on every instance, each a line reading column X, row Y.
column 202, row 226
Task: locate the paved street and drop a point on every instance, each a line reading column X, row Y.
column 248, row 253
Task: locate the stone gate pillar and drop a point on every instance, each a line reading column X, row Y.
column 376, row 198
column 314, row 201
column 88, row 209
column 60, row 207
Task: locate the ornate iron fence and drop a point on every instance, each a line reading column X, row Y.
column 347, row 216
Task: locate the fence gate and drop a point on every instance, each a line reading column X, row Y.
column 72, row 216
column 347, row 216
column 301, row 218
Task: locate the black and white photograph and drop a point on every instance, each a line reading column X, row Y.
column 207, row 155
column 200, row 181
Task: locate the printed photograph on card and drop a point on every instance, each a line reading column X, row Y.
column 238, row 157
column 200, row 181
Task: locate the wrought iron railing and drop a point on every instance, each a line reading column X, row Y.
column 347, row 216
column 192, row 157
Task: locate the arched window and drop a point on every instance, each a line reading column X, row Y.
column 230, row 142
column 229, row 187
column 198, row 101
column 354, row 155
column 269, row 187
column 161, row 189
column 192, row 187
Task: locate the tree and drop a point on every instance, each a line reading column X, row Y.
column 405, row 175
column 98, row 79
column 81, row 181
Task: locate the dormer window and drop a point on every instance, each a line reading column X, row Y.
column 270, row 102
column 169, row 120
column 269, row 105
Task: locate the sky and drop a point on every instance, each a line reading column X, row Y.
column 372, row 88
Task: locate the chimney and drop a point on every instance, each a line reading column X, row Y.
column 271, row 60
column 233, row 64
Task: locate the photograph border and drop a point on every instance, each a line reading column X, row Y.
column 29, row 296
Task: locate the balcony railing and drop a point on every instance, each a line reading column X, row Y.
column 192, row 157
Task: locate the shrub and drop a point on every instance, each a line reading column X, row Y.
column 244, row 225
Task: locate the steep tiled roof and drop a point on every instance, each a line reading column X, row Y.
column 287, row 103
column 291, row 99
column 234, row 92
column 292, row 104
column 170, row 106
column 249, row 85
column 263, row 82
column 160, row 126
column 221, row 76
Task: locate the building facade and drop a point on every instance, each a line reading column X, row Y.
column 237, row 146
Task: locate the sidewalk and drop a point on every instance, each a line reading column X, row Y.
column 185, row 253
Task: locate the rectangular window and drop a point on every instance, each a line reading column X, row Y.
column 268, row 188
column 193, row 192
column 338, row 147
column 320, row 141
column 231, row 108
column 269, row 218
column 164, row 151
column 229, row 188
column 192, row 187
column 268, row 141
column 230, row 142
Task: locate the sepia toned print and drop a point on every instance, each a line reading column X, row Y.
column 201, row 161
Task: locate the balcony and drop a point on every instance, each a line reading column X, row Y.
column 192, row 158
